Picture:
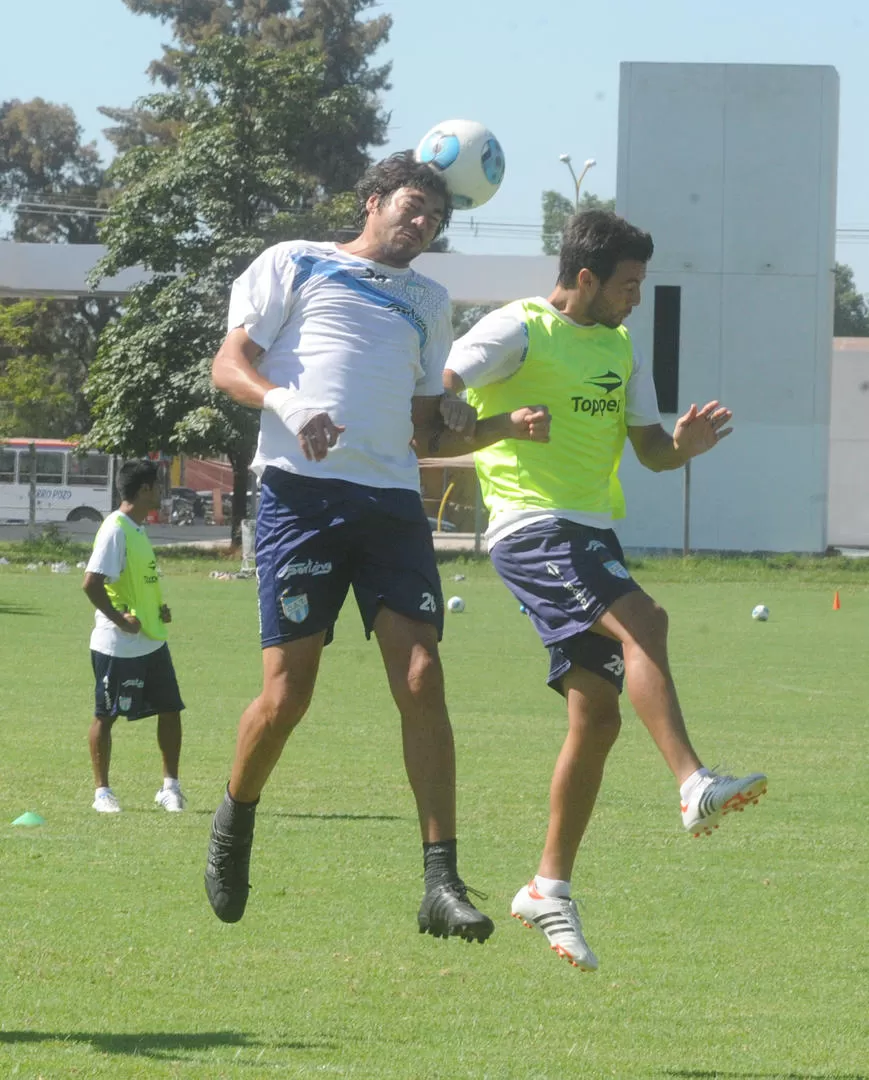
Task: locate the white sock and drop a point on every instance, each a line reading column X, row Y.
column 170, row 783
column 552, row 887
column 102, row 791
column 686, row 788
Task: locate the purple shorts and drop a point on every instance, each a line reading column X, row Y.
column 316, row 538
column 566, row 576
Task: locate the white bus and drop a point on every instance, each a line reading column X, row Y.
column 70, row 485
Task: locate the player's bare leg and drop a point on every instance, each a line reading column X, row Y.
column 641, row 626
column 289, row 675
column 410, row 655
column 593, row 726
column 100, row 745
column 170, row 796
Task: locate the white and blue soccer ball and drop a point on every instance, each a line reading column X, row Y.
column 456, row 604
column 760, row 613
column 469, row 157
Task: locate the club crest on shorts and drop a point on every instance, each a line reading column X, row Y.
column 616, row 569
column 124, row 704
column 295, row 608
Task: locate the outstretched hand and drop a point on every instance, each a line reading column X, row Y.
column 701, row 429
column 531, row 422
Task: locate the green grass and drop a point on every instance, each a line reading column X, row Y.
column 741, row 956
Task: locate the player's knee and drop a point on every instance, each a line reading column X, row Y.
column 424, row 680
column 284, row 703
column 607, row 727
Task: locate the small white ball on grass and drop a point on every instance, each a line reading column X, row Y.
column 455, row 604
column 760, row 613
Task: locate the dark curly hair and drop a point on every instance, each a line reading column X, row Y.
column 400, row 170
column 597, row 240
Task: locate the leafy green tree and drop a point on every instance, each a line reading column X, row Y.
column 51, row 186
column 851, row 310
column 45, row 165
column 33, row 400
column 238, row 178
column 346, row 42
column 557, row 208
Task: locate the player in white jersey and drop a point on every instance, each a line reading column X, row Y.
column 343, row 348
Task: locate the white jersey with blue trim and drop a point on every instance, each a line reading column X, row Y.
column 356, row 339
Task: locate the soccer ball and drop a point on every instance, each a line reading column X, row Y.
column 469, row 157
column 760, row 613
column 456, row 604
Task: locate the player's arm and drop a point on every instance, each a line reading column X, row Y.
column 94, row 586
column 695, row 433
column 432, row 437
column 234, row 371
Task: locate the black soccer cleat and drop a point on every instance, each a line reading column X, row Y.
column 227, row 873
column 446, row 912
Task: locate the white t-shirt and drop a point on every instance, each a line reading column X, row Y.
column 356, row 339
column 108, row 558
column 494, row 349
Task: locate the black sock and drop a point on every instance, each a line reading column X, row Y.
column 235, row 817
column 439, row 861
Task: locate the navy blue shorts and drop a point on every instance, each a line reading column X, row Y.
column 566, row 576
column 316, row 538
column 136, row 686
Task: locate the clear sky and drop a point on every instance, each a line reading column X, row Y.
column 543, row 76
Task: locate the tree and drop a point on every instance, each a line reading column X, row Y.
column 45, row 165
column 345, row 42
column 51, row 185
column 33, row 400
column 851, row 309
column 239, row 177
column 557, row 208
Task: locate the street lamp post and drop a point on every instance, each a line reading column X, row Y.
column 577, row 180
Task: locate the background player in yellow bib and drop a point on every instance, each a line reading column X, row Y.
column 550, row 535
column 131, row 662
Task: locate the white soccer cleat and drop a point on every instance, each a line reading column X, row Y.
column 171, row 799
column 558, row 919
column 714, row 796
column 106, row 803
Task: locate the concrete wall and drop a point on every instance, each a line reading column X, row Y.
column 849, row 444
column 733, row 171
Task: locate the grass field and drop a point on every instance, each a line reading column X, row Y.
column 739, row 956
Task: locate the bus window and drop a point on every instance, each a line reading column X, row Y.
column 88, row 469
column 49, row 467
column 7, row 466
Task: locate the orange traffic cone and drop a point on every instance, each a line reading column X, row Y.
column 836, row 604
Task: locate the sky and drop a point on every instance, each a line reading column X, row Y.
column 544, row 77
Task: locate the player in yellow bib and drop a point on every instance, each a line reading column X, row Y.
column 550, row 535
column 132, row 667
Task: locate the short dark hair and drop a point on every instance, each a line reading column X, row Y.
column 134, row 475
column 398, row 171
column 598, row 240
